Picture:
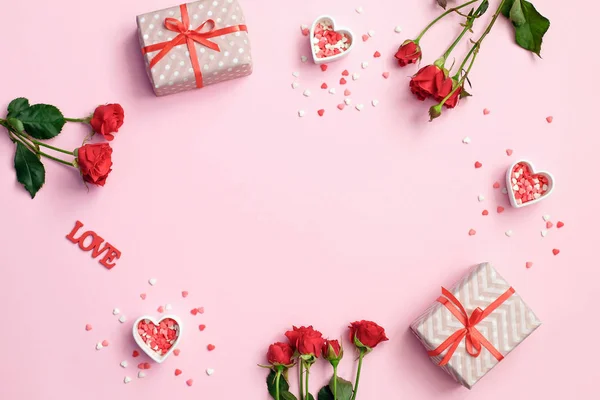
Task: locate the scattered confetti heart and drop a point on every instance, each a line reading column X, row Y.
column 472, row 232
column 184, row 294
column 466, row 140
column 152, row 281
column 355, row 76
column 99, row 346
column 484, row 212
column 189, row 382
column 478, row 164
column 304, row 29
column 295, row 74
column 365, row 37
column 303, row 58
column 116, row 311
column 168, row 307
column 141, row 374
column 321, row 112
column 306, row 93
column 194, row 311
column 210, row 347
column 332, row 90
column 359, row 10
column 301, row 113
column 480, row 198
column 371, row 33
column 135, row 353
column 295, row 85
column 143, row 296
column 496, row 185
column 201, row 327
column 323, row 85
column 176, row 352
column 509, row 152
column 546, row 217
column 543, row 232
column 549, row 119
column 555, row 251
column 345, row 72
column 341, row 106
column 124, row 364
column 210, row 371
column 486, row 111
column 323, row 67
column 364, row 65
column 549, row 224
column 528, row 264
column 385, row 75
column 342, row 81
column 347, row 92
column 560, row 224
column 178, row 372
column 374, row 102
column 504, row 190
column 144, row 365
column 88, row 327
column 127, row 379
column 398, row 29
column 122, row 319
column 508, row 233
column 347, row 100
column 500, row 209
column 200, row 310
column 160, row 309
column 377, row 54
column 359, row 107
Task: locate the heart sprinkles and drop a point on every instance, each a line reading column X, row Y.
column 159, row 338
column 526, row 185
column 327, row 42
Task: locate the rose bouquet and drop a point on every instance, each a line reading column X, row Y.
column 305, row 346
column 29, row 126
column 434, row 81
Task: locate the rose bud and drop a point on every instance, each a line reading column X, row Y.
column 280, row 354
column 306, row 341
column 447, row 86
column 408, row 53
column 332, row 351
column 427, row 82
column 107, row 119
column 366, row 334
column 94, row 162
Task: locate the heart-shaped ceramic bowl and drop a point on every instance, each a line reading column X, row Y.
column 511, row 192
column 145, row 348
column 335, row 57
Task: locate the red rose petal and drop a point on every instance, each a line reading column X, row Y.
column 486, row 111
column 347, row 92
column 147, row 365
column 194, row 311
column 210, row 347
column 160, row 309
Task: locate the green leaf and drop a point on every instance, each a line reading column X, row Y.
column 483, row 7
column 464, row 93
column 42, row 121
column 16, row 124
column 284, row 387
column 530, row 26
column 30, row 170
column 287, row 396
column 17, row 105
column 310, row 396
column 325, row 394
column 344, row 388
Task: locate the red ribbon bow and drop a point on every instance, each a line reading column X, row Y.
column 190, row 36
column 474, row 340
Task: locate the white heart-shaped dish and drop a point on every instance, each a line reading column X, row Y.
column 511, row 192
column 145, row 348
column 327, row 18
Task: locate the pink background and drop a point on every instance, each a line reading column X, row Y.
column 271, row 220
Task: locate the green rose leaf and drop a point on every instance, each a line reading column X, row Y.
column 30, row 170
column 284, row 387
column 287, row 396
column 325, row 394
column 17, row 105
column 344, row 388
column 483, row 7
column 42, row 121
column 310, row 396
column 530, row 26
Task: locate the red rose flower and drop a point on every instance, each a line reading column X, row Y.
column 107, row 119
column 280, row 354
column 447, row 85
column 367, row 333
column 94, row 162
column 332, row 350
column 408, row 53
column 427, row 82
column 306, row 341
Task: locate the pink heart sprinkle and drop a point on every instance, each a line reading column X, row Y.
column 509, row 152
column 341, row 106
column 347, row 92
column 365, row 38
column 528, row 264
column 549, row 119
column 385, row 75
column 486, row 111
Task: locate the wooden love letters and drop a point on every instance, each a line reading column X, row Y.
column 95, row 246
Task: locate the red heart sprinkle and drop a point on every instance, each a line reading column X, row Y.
column 560, row 224
column 478, row 164
column 200, row 310
column 509, row 152
column 194, row 311
column 472, row 232
column 342, row 81
column 88, row 327
column 496, row 185
column 549, row 224
column 341, row 106
column 323, row 85
column 177, row 372
column 202, row 327
column 210, row 347
column 486, row 111
column 385, row 75
column 549, row 119
column 135, row 353
column 528, row 264
column 184, row 294
column 105, row 343
column 305, row 31
column 147, row 365
column 555, row 251
column 189, row 382
column 345, row 72
column 143, row 296
column 160, row 309
column 321, row 112
column 377, row 54
column 500, row 209
column 176, row 352
column 484, row 212
column 323, row 67
column 141, row 366
column 365, row 38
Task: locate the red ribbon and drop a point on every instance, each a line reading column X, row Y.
column 473, row 338
column 189, row 36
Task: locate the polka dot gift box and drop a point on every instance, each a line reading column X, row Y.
column 195, row 44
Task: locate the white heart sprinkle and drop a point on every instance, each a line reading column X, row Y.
column 295, row 85
column 152, row 281
column 141, row 374
column 466, row 140
column 359, row 10
column 544, row 233
column 364, row 65
column 347, row 100
column 122, row 318
column 374, row 102
column 355, row 76
column 480, row 197
column 371, row 33
column 332, row 90
column 306, row 93
column 303, row 58
column 546, row 217
column 210, row 371
column 359, row 107
column 296, row 74
column 398, row 29
column 116, row 311
column 508, row 233
column 127, row 379
column 301, row 113
column 168, row 307
column 124, row 364
column 99, row 346
column 504, row 190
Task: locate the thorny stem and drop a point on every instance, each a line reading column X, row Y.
column 448, row 11
column 360, row 362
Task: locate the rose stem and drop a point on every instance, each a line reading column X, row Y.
column 45, row 145
column 301, row 379
column 22, row 141
column 307, row 375
column 335, row 382
column 450, row 10
column 360, row 361
column 277, row 378
column 468, row 26
column 77, row 119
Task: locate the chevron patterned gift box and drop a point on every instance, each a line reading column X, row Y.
column 472, row 326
